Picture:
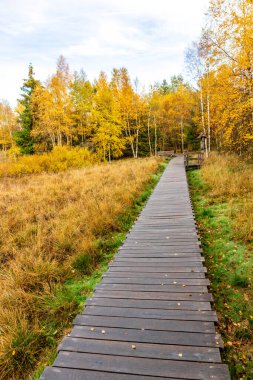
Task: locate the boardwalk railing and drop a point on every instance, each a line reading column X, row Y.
column 151, row 317
column 168, row 153
column 193, row 159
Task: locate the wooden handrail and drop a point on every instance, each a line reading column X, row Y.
column 191, row 156
column 166, row 153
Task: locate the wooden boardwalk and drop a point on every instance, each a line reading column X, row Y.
column 151, row 316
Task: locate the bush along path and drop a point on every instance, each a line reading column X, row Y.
column 230, row 267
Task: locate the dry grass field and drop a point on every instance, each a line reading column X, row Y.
column 230, row 179
column 49, row 223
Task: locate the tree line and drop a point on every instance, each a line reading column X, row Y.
column 113, row 118
column 110, row 116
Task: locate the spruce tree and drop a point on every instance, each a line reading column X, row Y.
column 23, row 137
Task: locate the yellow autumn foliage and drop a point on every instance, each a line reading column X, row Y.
column 59, row 159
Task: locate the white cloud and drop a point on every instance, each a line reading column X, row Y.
column 148, row 37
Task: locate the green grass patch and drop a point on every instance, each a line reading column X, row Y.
column 230, row 269
column 60, row 308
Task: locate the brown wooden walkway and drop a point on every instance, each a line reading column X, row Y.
column 151, row 316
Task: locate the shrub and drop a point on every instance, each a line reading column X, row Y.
column 59, row 159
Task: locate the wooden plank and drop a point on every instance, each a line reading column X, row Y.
column 162, row 240
column 150, row 304
column 57, row 373
column 145, row 323
column 189, row 275
column 142, row 350
column 156, row 260
column 161, row 269
column 142, row 366
column 156, row 255
column 156, row 240
column 178, row 314
column 147, row 336
column 178, row 288
column 152, row 234
column 155, row 281
column 175, row 244
column 175, row 252
column 156, row 263
column 204, row 297
column 165, row 228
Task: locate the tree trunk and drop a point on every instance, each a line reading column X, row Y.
column 202, row 116
column 208, row 125
column 128, row 133
column 202, row 110
column 155, row 135
column 52, row 137
column 182, row 134
column 137, row 143
column 208, row 114
column 149, row 141
column 109, row 153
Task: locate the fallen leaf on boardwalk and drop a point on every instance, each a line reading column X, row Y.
column 133, row 347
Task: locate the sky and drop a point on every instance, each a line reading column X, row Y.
column 148, row 37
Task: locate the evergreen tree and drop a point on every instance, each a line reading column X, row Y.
column 176, row 81
column 23, row 137
column 165, row 88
